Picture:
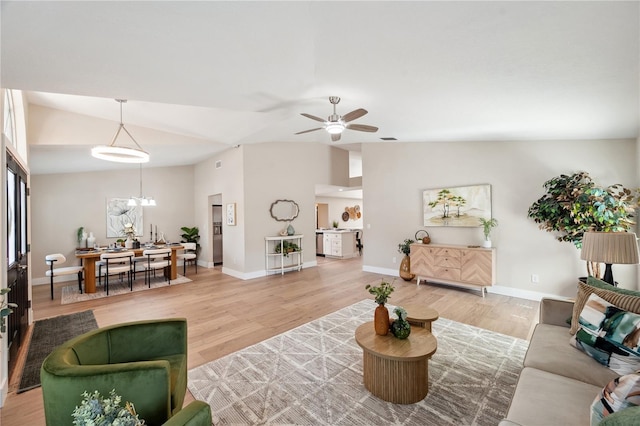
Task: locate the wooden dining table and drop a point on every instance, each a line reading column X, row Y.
column 90, row 257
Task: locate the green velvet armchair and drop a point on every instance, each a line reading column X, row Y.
column 144, row 361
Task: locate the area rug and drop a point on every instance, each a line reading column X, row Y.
column 312, row 375
column 70, row 293
column 47, row 335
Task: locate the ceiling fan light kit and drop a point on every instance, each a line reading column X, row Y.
column 121, row 154
column 336, row 124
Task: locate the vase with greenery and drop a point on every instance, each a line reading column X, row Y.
column 487, row 226
column 405, row 265
column 574, row 204
column 97, row 410
column 382, row 292
column 400, row 327
column 81, row 237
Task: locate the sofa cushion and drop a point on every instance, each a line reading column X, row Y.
column 620, row 393
column 609, row 335
column 543, row 398
column 628, row 300
column 549, row 350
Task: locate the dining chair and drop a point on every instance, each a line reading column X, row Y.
column 119, row 262
column 189, row 254
column 359, row 242
column 51, row 259
column 156, row 259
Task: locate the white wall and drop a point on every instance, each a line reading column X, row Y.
column 61, row 203
column 394, row 178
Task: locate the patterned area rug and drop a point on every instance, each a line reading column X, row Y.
column 312, row 375
column 70, row 293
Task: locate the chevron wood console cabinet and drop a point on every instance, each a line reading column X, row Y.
column 472, row 267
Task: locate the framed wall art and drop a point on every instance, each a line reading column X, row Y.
column 119, row 214
column 456, row 206
column 231, row 214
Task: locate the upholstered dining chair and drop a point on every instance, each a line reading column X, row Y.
column 156, row 259
column 188, row 255
column 119, row 262
column 51, row 260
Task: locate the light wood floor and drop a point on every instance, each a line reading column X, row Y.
column 226, row 314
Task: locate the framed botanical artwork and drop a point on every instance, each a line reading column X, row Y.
column 456, row 206
column 120, row 214
column 231, row 214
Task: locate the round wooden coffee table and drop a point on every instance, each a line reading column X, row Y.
column 420, row 315
column 396, row 370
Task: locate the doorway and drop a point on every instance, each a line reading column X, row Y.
column 216, row 214
column 17, row 257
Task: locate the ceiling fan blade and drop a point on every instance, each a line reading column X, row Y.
column 313, row 117
column 362, row 128
column 335, row 137
column 354, row 114
column 310, row 130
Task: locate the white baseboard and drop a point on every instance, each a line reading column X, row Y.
column 496, row 289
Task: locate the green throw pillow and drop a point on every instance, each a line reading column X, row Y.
column 628, row 300
column 618, row 402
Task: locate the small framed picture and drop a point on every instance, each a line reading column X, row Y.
column 231, row 214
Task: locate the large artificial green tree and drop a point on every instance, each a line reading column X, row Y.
column 574, row 204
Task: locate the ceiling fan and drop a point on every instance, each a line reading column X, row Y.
column 335, row 124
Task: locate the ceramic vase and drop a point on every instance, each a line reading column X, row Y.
column 405, row 269
column 91, row 240
column 128, row 243
column 401, row 329
column 381, row 320
column 290, row 230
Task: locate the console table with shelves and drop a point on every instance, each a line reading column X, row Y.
column 280, row 256
column 472, row 267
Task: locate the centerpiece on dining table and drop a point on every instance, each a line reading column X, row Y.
column 130, row 231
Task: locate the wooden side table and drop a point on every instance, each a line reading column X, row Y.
column 396, row 370
column 420, row 315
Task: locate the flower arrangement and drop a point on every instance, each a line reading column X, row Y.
column 405, row 247
column 381, row 292
column 129, row 230
column 96, row 410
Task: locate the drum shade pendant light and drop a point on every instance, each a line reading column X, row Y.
column 121, row 154
column 141, row 200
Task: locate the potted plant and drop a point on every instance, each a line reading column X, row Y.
column 405, row 265
column 400, row 327
column 574, row 204
column 82, row 237
column 5, row 309
column 487, row 226
column 190, row 235
column 96, row 410
column 381, row 315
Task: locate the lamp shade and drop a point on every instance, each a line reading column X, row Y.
column 610, row 247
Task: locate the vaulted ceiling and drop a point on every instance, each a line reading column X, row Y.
column 209, row 75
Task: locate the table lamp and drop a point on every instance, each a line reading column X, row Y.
column 610, row 248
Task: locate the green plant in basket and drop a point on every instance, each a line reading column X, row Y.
column 381, row 292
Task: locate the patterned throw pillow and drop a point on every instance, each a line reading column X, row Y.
column 621, row 393
column 628, row 300
column 610, row 335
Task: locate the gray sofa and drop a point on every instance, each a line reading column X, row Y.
column 558, row 383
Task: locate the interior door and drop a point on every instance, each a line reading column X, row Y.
column 17, row 258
